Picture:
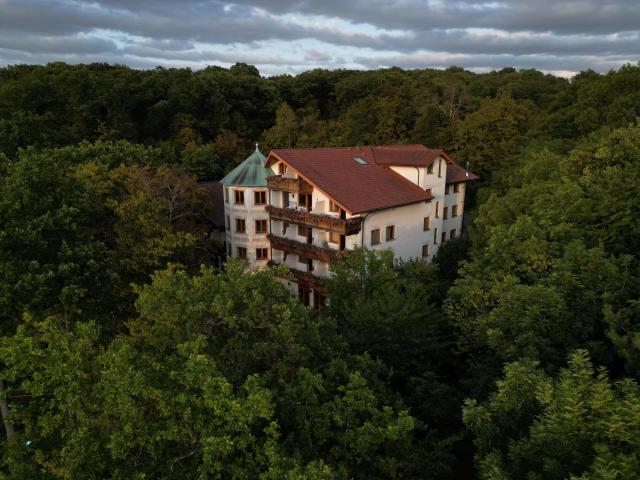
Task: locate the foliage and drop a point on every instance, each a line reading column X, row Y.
column 580, row 425
column 489, row 137
column 549, row 264
column 206, row 383
column 124, row 354
column 80, row 224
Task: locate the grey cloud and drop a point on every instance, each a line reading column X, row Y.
column 472, row 33
column 55, row 44
column 565, row 16
column 317, row 56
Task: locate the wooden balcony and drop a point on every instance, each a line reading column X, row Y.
column 304, row 249
column 306, row 279
column 349, row 226
column 287, row 184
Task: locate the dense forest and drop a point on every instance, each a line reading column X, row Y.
column 130, row 348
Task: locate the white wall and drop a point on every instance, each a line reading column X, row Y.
column 409, row 232
column 250, row 212
column 413, row 174
column 451, row 199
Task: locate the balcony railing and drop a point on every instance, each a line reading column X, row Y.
column 349, row 226
column 308, row 250
column 306, row 279
column 288, row 184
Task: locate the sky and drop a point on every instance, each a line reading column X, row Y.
column 292, row 36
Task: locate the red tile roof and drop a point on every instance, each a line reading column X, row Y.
column 405, row 155
column 455, row 174
column 360, row 188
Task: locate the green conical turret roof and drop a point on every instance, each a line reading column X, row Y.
column 250, row 173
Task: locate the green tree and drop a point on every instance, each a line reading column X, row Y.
column 578, row 425
column 128, row 411
column 490, row 136
column 393, row 313
column 254, row 327
column 284, row 133
column 78, row 228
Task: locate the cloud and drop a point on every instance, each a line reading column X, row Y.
column 287, row 36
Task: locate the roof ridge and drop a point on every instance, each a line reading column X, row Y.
column 357, row 147
column 354, row 147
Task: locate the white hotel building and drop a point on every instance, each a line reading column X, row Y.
column 304, row 206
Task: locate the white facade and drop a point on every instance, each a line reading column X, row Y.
column 303, row 236
column 243, row 206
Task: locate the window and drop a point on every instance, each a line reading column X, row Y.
column 260, row 197
column 425, row 250
column 226, row 195
column 240, row 225
column 305, row 200
column 391, row 233
column 452, row 234
column 360, row 161
column 229, row 249
column 285, row 199
column 228, row 224
column 454, row 211
column 242, row 252
column 262, row 253
column 302, row 259
column 440, row 168
column 447, row 189
column 319, row 300
column 445, row 213
column 333, row 207
column 285, row 225
column 239, row 196
column 261, row 226
column 435, row 236
column 304, row 295
column 303, row 231
column 334, row 237
column 375, row 236
column 282, row 168
column 444, row 237
column 437, row 209
column 430, row 168
column 456, row 188
column 426, row 224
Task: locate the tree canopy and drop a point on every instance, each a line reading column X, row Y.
column 130, row 347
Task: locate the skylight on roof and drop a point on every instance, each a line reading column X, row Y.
column 360, row 161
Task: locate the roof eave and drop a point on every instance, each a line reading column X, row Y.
column 403, row 204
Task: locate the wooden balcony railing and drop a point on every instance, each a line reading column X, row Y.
column 349, row 226
column 306, row 279
column 308, row 250
column 287, row 184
